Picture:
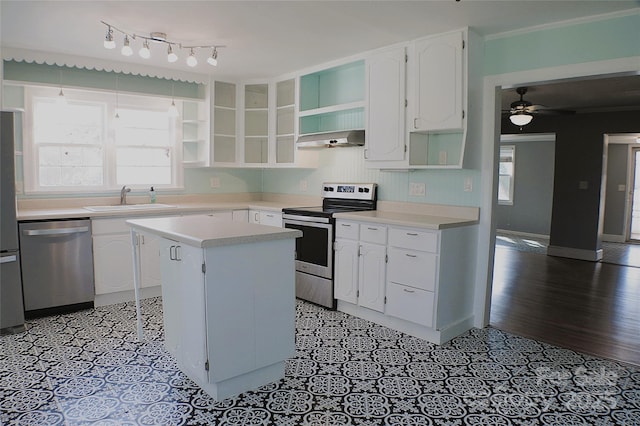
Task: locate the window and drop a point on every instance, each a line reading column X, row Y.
column 506, row 172
column 98, row 141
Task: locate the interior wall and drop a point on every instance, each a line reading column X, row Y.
column 579, row 154
column 533, row 189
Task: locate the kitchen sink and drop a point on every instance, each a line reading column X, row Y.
column 125, row 207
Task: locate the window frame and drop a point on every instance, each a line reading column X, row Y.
column 510, row 200
column 111, row 101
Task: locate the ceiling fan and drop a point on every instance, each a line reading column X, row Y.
column 521, row 112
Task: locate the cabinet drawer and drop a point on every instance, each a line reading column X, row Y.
column 413, row 268
column 414, row 240
column 110, row 226
column 347, row 230
column 373, row 233
column 410, row 304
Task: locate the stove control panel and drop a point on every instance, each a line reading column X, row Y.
column 350, row 191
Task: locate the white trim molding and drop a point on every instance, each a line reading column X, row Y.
column 60, row 59
column 574, row 253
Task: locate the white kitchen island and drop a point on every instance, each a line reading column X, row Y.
column 228, row 299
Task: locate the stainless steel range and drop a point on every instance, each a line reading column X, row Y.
column 314, row 250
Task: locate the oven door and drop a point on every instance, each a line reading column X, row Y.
column 314, row 250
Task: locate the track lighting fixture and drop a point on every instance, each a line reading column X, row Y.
column 144, row 51
column 171, row 57
column 108, row 39
column 126, row 49
column 191, row 59
column 158, row 37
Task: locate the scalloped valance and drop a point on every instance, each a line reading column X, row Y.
column 95, row 64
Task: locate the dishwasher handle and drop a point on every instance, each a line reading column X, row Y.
column 55, row 231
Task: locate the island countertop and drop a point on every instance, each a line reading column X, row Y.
column 207, row 231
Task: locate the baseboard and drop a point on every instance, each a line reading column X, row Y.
column 574, row 253
column 126, row 296
column 521, row 234
column 612, row 238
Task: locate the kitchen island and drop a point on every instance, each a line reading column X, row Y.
column 228, row 299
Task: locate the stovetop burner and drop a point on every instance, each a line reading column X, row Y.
column 339, row 198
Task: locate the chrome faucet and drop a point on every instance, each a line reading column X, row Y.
column 123, row 195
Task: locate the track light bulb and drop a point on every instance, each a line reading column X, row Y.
column 126, row 49
column 108, row 39
column 144, row 51
column 213, row 59
column 191, row 60
column 171, row 57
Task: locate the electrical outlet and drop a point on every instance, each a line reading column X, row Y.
column 442, row 158
column 622, row 188
column 417, row 189
column 303, row 185
column 583, row 184
column 214, row 182
column 468, row 184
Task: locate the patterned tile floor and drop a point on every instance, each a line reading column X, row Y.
column 86, row 368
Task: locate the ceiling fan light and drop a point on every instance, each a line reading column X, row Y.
column 521, row 119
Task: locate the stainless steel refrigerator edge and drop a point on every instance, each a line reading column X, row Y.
column 11, row 305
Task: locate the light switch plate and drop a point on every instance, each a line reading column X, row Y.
column 583, row 184
column 214, row 182
column 622, row 188
column 468, row 184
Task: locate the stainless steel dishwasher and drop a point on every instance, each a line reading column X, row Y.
column 57, row 266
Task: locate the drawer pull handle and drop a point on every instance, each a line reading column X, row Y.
column 345, row 224
column 410, row 255
column 408, row 291
column 372, row 229
column 412, row 234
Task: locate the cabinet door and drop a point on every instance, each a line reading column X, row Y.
column 346, row 271
column 254, row 216
column 372, row 267
column 386, row 112
column 240, row 216
column 439, row 83
column 171, row 306
column 112, row 263
column 271, row 219
column 193, row 330
column 149, row 246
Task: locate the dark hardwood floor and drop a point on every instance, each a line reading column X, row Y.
column 589, row 307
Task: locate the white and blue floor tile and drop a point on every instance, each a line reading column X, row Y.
column 87, row 368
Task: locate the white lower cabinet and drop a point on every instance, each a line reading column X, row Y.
column 229, row 326
column 417, row 281
column 265, row 217
column 113, row 260
column 360, row 264
column 183, row 295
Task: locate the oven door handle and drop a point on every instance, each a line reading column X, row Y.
column 305, row 219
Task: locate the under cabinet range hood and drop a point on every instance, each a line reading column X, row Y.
column 332, row 139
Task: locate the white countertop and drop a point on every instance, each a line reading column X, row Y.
column 58, row 212
column 207, row 231
column 407, row 219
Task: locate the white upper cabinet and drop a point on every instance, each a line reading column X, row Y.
column 224, row 123
column 439, row 85
column 385, row 135
column 256, row 123
column 332, row 99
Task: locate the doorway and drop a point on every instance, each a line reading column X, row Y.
column 634, row 205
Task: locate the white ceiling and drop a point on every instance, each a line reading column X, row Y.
column 269, row 38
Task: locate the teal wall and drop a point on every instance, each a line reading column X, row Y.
column 605, row 39
column 600, row 40
column 347, row 164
